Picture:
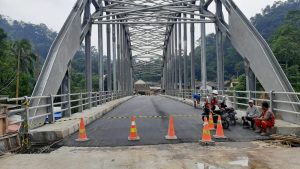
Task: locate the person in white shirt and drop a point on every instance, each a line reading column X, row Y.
column 251, row 113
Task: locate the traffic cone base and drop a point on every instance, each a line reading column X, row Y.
column 219, row 137
column 134, row 139
column 171, row 137
column 207, row 143
column 82, row 139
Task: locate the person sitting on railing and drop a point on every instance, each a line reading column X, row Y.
column 266, row 120
column 251, row 113
column 210, row 104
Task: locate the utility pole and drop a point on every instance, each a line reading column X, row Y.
column 18, row 74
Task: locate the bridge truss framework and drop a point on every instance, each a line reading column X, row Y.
column 140, row 31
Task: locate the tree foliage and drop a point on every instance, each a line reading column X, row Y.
column 9, row 51
column 286, row 47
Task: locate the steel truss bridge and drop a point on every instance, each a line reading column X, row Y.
column 140, row 31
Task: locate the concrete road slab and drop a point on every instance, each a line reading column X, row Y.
column 241, row 155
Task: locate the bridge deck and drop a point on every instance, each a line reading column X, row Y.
column 112, row 131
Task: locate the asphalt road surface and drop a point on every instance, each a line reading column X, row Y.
column 113, row 131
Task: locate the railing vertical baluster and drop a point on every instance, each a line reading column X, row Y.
column 89, row 99
column 51, row 117
column 271, row 100
column 234, row 100
column 249, row 95
column 80, row 102
column 68, row 114
column 99, row 97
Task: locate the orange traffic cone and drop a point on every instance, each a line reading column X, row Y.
column 82, row 133
column 171, row 132
column 211, row 124
column 219, row 132
column 133, row 131
column 206, row 138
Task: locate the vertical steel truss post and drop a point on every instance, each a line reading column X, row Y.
column 171, row 59
column 65, row 89
column 121, row 57
column 114, row 55
column 175, row 57
column 185, row 54
column 169, row 65
column 126, row 63
column 250, row 79
column 203, row 49
column 88, row 61
column 164, row 70
column 219, row 47
column 100, row 57
column 108, row 56
column 192, row 54
column 118, row 56
column 179, row 55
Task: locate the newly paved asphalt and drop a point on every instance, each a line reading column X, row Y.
column 109, row 131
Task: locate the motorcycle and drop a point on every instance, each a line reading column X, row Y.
column 228, row 117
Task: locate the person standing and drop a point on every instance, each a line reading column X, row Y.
column 251, row 113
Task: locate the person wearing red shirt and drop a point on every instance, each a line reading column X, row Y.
column 210, row 104
column 266, row 120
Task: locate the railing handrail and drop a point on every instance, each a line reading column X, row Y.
column 76, row 102
column 239, row 98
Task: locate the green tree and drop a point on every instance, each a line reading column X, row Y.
column 286, row 47
column 7, row 65
column 25, row 64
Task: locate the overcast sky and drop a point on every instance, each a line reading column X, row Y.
column 54, row 12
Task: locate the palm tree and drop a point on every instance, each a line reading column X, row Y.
column 25, row 60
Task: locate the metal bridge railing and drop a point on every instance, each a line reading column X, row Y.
column 67, row 104
column 239, row 99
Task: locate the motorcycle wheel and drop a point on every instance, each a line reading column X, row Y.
column 225, row 124
column 233, row 121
